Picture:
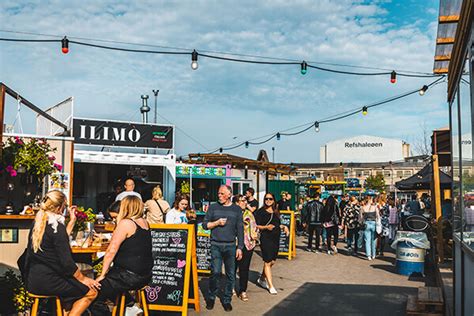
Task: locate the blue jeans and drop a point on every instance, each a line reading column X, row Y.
column 370, row 238
column 222, row 253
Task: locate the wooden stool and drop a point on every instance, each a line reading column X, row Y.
column 34, row 307
column 140, row 297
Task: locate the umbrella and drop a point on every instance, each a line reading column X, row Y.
column 422, row 180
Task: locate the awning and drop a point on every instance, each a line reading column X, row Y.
column 422, row 180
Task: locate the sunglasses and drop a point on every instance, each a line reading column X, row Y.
column 268, row 199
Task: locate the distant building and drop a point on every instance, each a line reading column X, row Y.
column 365, row 149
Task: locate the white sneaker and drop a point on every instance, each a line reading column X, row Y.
column 369, row 258
column 272, row 291
column 133, row 311
column 262, row 283
column 334, row 249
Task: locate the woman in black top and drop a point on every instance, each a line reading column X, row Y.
column 330, row 223
column 129, row 250
column 50, row 269
column 268, row 222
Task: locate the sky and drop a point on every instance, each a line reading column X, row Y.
column 222, row 103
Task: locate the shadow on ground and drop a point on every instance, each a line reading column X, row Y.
column 344, row 299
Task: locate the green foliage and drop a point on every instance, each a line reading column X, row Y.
column 33, row 156
column 376, row 183
column 185, row 189
column 13, row 294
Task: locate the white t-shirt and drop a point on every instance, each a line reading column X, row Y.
column 176, row 217
column 127, row 193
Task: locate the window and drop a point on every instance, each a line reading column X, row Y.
column 407, row 173
column 399, row 173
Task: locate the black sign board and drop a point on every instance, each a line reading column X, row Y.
column 284, row 246
column 122, row 134
column 203, row 253
column 174, row 281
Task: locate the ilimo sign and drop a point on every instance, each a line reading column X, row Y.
column 122, row 134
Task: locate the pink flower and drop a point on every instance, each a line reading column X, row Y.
column 58, row 166
column 13, row 173
column 18, row 140
column 51, row 158
column 9, row 169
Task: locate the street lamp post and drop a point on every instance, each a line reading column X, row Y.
column 155, row 92
column 144, row 109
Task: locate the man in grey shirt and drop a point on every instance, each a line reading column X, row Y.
column 225, row 221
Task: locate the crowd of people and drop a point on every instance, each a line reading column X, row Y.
column 237, row 227
column 366, row 223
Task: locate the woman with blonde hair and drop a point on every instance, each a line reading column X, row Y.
column 50, row 268
column 156, row 207
column 129, row 250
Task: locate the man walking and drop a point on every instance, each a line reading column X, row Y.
column 225, row 221
column 252, row 203
column 313, row 212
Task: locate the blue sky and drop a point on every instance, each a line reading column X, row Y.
column 222, row 102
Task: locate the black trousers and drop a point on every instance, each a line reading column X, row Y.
column 311, row 230
column 244, row 266
column 332, row 231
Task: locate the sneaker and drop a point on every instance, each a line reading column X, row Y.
column 329, row 252
column 234, row 293
column 334, row 249
column 308, row 249
column 369, row 258
column 227, row 307
column 272, row 291
column 243, row 296
column 373, row 257
column 262, row 283
column 134, row 310
column 317, row 251
column 209, row 304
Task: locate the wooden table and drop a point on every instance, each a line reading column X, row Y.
column 90, row 250
column 15, row 217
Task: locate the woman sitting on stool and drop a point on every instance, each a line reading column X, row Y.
column 50, row 268
column 129, row 250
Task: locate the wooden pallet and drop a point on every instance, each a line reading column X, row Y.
column 428, row 302
column 430, row 299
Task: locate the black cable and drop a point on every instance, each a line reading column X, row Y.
column 250, row 61
column 130, row 50
column 28, row 40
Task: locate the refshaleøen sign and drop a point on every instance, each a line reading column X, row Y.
column 122, row 134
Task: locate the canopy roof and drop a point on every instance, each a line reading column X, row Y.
column 447, row 24
column 422, row 180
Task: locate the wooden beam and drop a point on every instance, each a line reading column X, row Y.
column 448, row 19
column 440, row 71
column 445, row 40
column 439, row 217
column 2, row 115
column 442, row 57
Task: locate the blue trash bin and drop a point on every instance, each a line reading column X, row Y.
column 410, row 259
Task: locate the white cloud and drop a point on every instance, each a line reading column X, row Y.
column 220, row 99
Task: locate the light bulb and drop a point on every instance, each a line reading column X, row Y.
column 365, row 110
column 423, row 90
column 194, row 60
column 316, row 126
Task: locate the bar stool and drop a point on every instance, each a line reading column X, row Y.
column 140, row 298
column 34, row 307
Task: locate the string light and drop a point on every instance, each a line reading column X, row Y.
column 365, row 110
column 304, row 68
column 423, row 90
column 194, row 60
column 393, row 77
column 221, row 150
column 247, row 144
column 65, row 45
column 316, row 126
column 278, row 136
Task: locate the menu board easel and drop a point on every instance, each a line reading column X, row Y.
column 287, row 246
column 174, row 272
column 203, row 253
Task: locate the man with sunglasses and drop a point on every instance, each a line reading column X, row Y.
column 225, row 221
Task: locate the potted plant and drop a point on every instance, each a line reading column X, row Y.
column 14, row 297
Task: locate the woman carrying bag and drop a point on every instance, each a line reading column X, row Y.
column 369, row 216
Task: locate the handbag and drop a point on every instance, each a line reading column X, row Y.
column 378, row 225
column 259, row 233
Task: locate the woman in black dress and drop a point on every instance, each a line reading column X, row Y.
column 50, row 268
column 129, row 250
column 268, row 222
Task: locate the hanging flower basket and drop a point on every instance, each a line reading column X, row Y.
column 33, row 157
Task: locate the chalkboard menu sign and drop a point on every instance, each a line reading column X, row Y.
column 174, row 264
column 284, row 246
column 287, row 245
column 203, row 253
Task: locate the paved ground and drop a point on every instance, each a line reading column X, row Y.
column 320, row 284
